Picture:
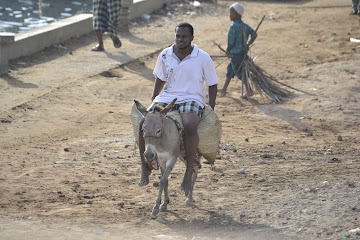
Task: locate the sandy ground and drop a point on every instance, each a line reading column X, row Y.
column 69, row 166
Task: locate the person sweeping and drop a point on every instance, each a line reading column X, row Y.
column 237, row 47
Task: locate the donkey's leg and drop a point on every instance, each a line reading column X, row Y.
column 163, row 206
column 156, row 208
column 165, row 180
column 189, row 198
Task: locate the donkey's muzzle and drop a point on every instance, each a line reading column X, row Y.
column 149, row 156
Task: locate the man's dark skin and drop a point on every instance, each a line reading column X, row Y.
column 182, row 48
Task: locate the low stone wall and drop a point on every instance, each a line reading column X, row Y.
column 13, row 46
column 37, row 39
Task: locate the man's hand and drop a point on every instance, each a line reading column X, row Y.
column 227, row 53
column 212, row 96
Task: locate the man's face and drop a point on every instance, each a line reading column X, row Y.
column 233, row 14
column 183, row 37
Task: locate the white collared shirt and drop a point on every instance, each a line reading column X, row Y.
column 186, row 79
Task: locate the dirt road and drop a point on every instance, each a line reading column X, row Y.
column 69, row 166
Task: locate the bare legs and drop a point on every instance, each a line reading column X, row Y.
column 100, row 46
column 191, row 142
column 249, row 91
column 224, row 89
column 235, row 68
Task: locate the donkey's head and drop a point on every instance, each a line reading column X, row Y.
column 153, row 127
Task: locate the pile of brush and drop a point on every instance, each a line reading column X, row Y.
column 259, row 79
column 254, row 77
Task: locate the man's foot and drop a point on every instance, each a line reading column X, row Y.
column 98, row 48
column 186, row 185
column 117, row 42
column 353, row 12
column 144, row 177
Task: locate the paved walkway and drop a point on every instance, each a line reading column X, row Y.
column 26, row 83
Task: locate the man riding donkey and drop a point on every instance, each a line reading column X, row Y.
column 181, row 72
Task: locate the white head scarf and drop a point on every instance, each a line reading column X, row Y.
column 238, row 8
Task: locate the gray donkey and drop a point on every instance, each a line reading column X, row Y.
column 162, row 148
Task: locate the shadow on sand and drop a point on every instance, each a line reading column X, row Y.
column 50, row 53
column 221, row 226
column 16, row 83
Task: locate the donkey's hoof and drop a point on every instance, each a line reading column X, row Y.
column 155, row 212
column 188, row 202
column 163, row 208
column 153, row 216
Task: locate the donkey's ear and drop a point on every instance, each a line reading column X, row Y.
column 141, row 108
column 168, row 107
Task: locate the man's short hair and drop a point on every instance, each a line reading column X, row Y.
column 186, row 25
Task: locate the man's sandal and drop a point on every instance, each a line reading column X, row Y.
column 97, row 48
column 117, row 42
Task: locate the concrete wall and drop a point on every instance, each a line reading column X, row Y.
column 37, row 39
column 140, row 7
